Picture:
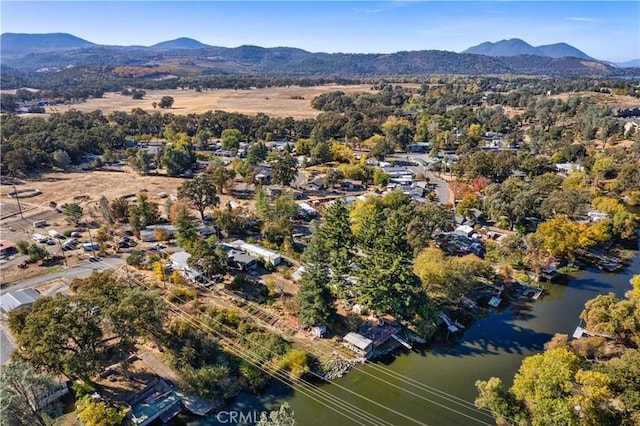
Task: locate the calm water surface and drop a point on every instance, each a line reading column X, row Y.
column 493, row 346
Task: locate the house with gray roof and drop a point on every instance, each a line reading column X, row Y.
column 358, row 343
column 18, row 299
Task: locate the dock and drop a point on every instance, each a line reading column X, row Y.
column 581, row 332
column 452, row 326
column 532, row 292
column 402, row 342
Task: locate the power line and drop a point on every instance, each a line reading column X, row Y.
column 407, row 380
column 250, row 357
column 370, row 417
column 434, row 391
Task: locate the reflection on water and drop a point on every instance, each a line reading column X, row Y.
column 493, row 346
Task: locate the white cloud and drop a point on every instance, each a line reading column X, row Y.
column 493, row 12
column 580, row 19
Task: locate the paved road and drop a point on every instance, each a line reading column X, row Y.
column 442, row 187
column 82, row 270
column 6, row 344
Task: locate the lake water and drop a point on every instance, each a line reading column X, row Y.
column 493, row 346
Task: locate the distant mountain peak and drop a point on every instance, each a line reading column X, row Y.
column 510, row 47
column 180, row 43
column 515, row 47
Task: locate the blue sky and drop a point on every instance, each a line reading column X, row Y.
column 602, row 29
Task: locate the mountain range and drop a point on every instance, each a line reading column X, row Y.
column 186, row 56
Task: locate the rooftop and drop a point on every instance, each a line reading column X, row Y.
column 358, row 340
column 15, row 299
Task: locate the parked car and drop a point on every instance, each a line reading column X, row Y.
column 155, row 247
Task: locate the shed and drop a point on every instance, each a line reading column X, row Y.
column 465, row 230
column 319, row 330
column 18, row 299
column 297, row 274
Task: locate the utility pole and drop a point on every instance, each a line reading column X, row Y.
column 15, row 191
column 64, row 256
column 93, row 250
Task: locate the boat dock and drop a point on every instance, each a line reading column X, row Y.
column 532, row 292
column 452, row 326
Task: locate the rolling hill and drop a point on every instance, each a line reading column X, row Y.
column 180, row 43
column 23, row 44
column 54, row 53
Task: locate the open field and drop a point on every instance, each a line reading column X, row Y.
column 61, row 188
column 602, row 99
column 273, row 101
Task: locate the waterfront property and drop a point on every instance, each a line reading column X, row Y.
column 375, row 338
column 157, row 400
column 357, row 343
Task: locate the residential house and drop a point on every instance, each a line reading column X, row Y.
column 566, row 168
column 238, row 259
column 317, row 183
column 420, row 147
column 258, row 252
column 18, row 299
column 351, row 185
column 305, row 210
column 7, row 248
column 179, row 260
column 148, row 234
column 263, row 176
column 358, row 343
column 464, row 230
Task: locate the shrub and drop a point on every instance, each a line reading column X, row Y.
column 181, row 294
column 83, row 388
column 296, row 362
column 136, row 258
column 239, row 282
column 22, row 246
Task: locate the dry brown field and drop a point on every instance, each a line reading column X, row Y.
column 602, row 99
column 273, row 101
column 62, row 188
